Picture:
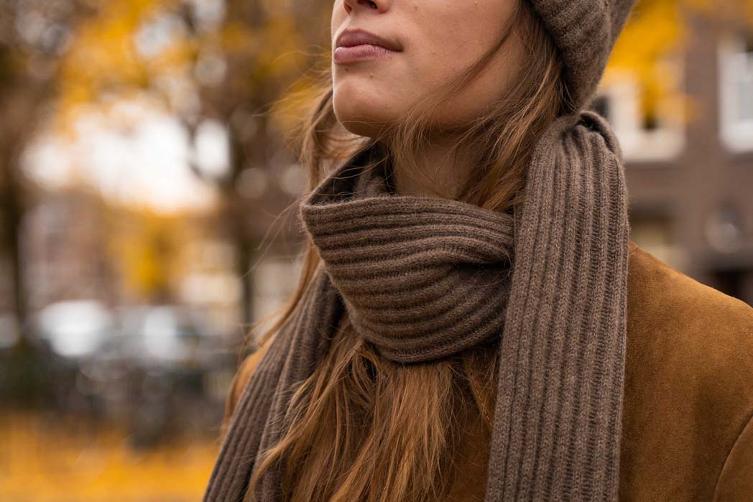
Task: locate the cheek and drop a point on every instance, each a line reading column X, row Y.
column 454, row 40
column 458, row 35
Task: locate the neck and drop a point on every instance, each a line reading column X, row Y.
column 438, row 172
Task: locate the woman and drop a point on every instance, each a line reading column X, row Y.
column 472, row 320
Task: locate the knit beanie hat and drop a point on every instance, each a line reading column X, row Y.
column 584, row 31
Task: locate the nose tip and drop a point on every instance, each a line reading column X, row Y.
column 379, row 5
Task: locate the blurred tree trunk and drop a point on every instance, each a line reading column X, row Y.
column 236, row 210
column 29, row 62
column 11, row 210
column 22, row 102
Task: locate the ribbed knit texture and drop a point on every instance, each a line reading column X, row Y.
column 423, row 278
column 584, row 31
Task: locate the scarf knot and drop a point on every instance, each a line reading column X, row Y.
column 422, row 278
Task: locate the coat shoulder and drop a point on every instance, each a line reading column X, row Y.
column 688, row 371
column 677, row 323
column 663, row 297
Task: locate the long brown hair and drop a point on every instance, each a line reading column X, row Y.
column 362, row 427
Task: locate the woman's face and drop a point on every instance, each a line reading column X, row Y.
column 433, row 41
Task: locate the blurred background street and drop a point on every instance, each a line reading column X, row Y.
column 148, row 182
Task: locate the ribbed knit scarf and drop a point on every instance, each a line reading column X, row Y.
column 423, row 278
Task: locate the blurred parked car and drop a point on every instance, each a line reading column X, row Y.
column 75, row 329
column 68, row 334
column 169, row 355
column 153, row 368
column 163, row 336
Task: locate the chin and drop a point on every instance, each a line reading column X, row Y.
column 362, row 125
column 362, row 112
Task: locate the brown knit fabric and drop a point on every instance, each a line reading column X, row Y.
column 584, row 31
column 423, row 278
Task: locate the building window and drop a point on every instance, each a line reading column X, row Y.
column 724, row 228
column 654, row 232
column 647, row 131
column 736, row 90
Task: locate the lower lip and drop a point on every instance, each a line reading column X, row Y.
column 363, row 52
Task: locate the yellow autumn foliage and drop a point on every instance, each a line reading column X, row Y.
column 57, row 460
column 652, row 44
column 148, row 248
column 102, row 57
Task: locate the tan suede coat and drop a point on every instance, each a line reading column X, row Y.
column 688, row 409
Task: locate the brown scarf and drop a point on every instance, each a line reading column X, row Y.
column 424, row 278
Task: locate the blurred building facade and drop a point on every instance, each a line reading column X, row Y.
column 691, row 181
column 66, row 250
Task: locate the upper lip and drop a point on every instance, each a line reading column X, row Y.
column 357, row 36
